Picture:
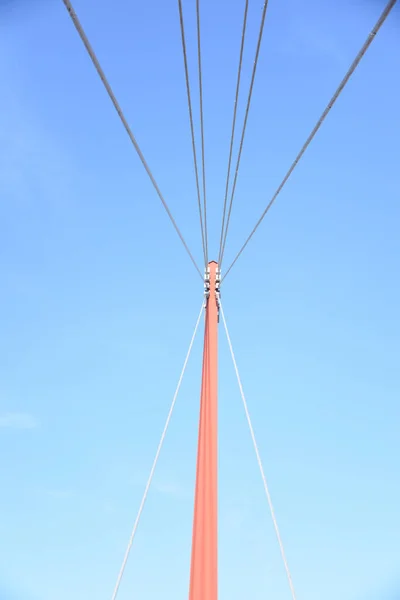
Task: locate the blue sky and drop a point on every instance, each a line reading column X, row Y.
column 99, row 302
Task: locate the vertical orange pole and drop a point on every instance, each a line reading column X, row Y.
column 204, row 564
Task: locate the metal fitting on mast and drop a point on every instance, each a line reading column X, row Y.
column 216, row 287
column 206, row 284
column 218, row 283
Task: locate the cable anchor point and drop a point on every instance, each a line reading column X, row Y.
column 217, row 286
column 206, row 285
column 218, row 289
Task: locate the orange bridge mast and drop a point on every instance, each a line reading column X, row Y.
column 204, row 564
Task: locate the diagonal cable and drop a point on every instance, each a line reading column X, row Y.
column 117, row 107
column 260, row 465
column 203, row 161
column 153, row 468
column 246, row 8
column 253, row 75
column 322, row 118
column 189, row 99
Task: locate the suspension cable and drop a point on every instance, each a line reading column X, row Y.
column 192, row 128
column 202, row 124
column 322, row 118
column 153, row 468
column 253, row 75
column 117, row 107
column 246, row 7
column 260, row 465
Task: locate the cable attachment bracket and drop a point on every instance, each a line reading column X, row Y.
column 218, row 289
column 206, row 284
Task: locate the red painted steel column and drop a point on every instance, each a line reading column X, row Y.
column 204, row 565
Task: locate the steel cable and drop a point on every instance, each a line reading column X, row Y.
column 322, row 118
column 189, row 99
column 203, row 161
column 117, row 107
column 246, row 7
column 253, row 75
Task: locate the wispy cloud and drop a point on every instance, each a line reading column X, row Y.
column 233, row 519
column 33, row 165
column 171, row 489
column 60, row 494
column 77, row 499
column 165, row 487
column 311, row 37
column 18, row 420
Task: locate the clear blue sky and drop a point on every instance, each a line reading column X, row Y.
column 98, row 302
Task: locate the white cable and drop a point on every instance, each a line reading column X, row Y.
column 271, row 508
column 153, row 468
